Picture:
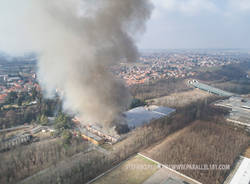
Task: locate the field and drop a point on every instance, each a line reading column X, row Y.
column 247, row 153
column 180, row 99
column 134, row 171
column 201, row 143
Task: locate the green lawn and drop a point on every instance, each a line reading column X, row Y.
column 134, row 171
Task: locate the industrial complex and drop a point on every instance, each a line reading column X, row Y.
column 239, row 110
column 133, row 118
column 238, row 106
column 88, row 136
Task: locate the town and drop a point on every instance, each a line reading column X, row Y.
column 17, row 74
column 174, row 64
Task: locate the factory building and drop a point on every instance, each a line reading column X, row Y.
column 88, row 136
column 140, row 116
column 95, row 130
column 239, row 109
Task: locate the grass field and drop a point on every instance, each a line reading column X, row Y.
column 134, row 171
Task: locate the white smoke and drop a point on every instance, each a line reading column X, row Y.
column 77, row 41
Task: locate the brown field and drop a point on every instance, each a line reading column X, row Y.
column 181, row 99
column 247, row 153
column 134, row 171
column 201, row 143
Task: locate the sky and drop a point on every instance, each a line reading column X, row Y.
column 174, row 24
column 198, row 24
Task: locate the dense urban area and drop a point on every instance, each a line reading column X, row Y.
column 188, row 122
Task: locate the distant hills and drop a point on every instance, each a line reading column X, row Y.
column 4, row 57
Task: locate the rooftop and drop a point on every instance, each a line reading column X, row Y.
column 143, row 115
column 242, row 175
column 240, row 113
column 89, row 134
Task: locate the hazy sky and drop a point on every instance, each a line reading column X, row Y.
column 199, row 24
column 174, row 24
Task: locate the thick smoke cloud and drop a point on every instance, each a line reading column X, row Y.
column 78, row 40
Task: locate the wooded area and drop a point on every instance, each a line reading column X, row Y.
column 204, row 142
column 158, row 88
column 24, row 161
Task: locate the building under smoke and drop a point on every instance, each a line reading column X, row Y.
column 140, row 116
column 77, row 41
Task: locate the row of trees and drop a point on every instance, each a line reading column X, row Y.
column 26, row 160
column 17, row 117
column 158, row 88
column 226, row 73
